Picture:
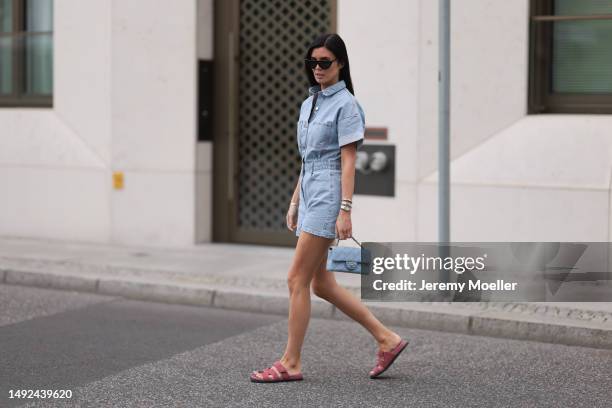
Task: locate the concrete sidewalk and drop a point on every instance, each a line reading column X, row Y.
column 253, row 278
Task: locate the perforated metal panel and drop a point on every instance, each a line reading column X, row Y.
column 274, row 36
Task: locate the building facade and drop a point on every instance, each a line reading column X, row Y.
column 173, row 123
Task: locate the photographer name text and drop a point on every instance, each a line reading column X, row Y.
column 423, row 285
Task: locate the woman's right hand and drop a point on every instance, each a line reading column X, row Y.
column 292, row 216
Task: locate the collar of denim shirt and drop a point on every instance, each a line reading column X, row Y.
column 330, row 90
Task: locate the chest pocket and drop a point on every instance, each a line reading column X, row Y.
column 320, row 133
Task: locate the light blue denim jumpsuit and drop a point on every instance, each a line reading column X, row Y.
column 337, row 120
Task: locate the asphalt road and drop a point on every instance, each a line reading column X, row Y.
column 114, row 352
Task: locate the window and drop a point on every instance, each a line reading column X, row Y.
column 570, row 56
column 26, row 52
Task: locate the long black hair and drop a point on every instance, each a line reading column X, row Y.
column 334, row 43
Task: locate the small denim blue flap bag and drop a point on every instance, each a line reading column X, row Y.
column 349, row 259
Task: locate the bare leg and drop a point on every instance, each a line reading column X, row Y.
column 325, row 286
column 310, row 249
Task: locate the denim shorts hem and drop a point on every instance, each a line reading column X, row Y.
column 313, row 232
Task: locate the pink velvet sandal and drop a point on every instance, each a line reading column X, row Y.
column 386, row 358
column 269, row 375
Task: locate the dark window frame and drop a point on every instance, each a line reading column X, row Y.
column 541, row 100
column 18, row 98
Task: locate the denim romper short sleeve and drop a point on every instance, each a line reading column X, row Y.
column 337, row 120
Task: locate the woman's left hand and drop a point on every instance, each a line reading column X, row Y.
column 344, row 227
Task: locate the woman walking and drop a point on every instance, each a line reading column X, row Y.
column 329, row 132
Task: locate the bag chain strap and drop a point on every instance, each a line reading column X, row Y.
column 353, row 238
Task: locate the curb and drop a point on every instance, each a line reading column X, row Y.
column 479, row 323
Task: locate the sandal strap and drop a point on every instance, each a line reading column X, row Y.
column 269, row 374
column 282, row 370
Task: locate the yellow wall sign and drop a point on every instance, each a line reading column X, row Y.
column 118, row 180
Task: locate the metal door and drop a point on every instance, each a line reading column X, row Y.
column 262, row 45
